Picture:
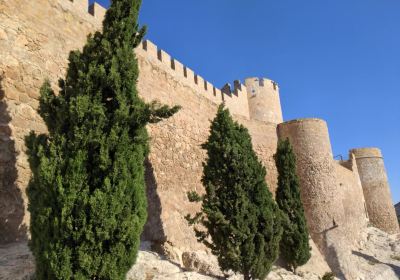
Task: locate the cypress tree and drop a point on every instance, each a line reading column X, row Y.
column 238, row 211
column 87, row 192
column 294, row 245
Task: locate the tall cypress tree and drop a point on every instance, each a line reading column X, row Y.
column 87, row 192
column 294, row 246
column 238, row 211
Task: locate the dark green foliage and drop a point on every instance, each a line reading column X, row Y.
column 238, row 211
column 87, row 193
column 294, row 246
column 328, row 276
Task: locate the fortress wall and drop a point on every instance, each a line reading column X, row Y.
column 353, row 198
column 236, row 99
column 34, row 45
column 265, row 142
column 376, row 189
column 180, row 72
column 176, row 155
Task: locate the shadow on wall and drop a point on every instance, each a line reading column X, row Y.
column 331, row 254
column 373, row 260
column 11, row 203
column 153, row 230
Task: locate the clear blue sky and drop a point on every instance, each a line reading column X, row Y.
column 336, row 60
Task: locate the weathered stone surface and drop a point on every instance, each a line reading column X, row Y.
column 316, row 264
column 202, row 262
column 376, row 189
column 34, row 44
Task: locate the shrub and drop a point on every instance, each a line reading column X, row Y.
column 238, row 211
column 294, row 245
column 328, row 276
column 87, row 192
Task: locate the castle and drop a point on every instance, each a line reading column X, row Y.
column 340, row 197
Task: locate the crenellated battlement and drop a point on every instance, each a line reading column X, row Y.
column 94, row 9
column 175, row 68
column 97, row 10
column 162, row 58
column 235, row 98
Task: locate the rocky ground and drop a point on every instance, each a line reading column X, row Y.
column 377, row 259
column 16, row 263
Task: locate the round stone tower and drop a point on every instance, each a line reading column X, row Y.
column 263, row 98
column 376, row 189
column 319, row 189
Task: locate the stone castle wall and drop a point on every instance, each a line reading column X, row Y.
column 35, row 39
column 34, row 45
column 176, row 147
column 352, row 197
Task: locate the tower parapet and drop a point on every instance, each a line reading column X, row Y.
column 236, row 98
column 264, row 101
column 376, row 189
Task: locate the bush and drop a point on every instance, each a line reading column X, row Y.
column 328, row 276
column 294, row 245
column 238, row 211
column 87, row 192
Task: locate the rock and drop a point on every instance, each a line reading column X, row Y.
column 16, row 262
column 202, row 262
column 170, row 252
column 378, row 260
column 316, row 264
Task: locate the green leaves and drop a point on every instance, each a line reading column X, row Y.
column 238, row 211
column 194, row 197
column 87, row 192
column 294, row 246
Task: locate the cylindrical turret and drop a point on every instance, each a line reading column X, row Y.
column 376, row 189
column 320, row 191
column 264, row 101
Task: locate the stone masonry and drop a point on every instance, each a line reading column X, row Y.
column 377, row 195
column 35, row 39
